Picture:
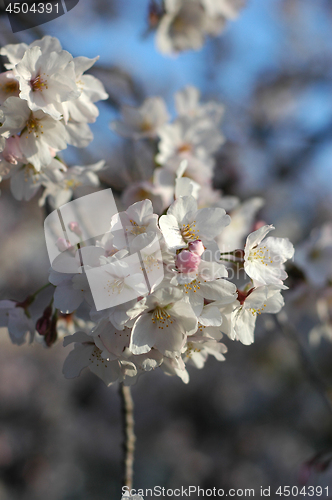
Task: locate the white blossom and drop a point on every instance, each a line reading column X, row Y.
column 193, row 140
column 187, row 103
column 74, row 178
column 164, row 325
column 39, row 132
column 182, row 27
column 16, row 319
column 226, row 8
column 137, row 219
column 87, row 355
column 46, row 79
column 90, row 90
column 186, row 23
column 264, row 299
column 144, row 121
column 184, row 223
column 264, row 260
column 15, row 52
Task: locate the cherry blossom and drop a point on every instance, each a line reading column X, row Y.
column 264, row 299
column 184, row 223
column 87, row 355
column 185, row 23
column 144, row 121
column 263, row 261
column 16, row 318
column 166, row 310
column 46, row 79
column 150, row 292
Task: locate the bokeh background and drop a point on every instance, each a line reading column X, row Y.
column 256, row 419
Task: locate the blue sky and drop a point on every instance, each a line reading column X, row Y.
column 263, row 41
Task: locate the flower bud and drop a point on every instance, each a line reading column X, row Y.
column 259, row 224
column 187, row 262
column 43, row 325
column 52, row 334
column 75, row 228
column 197, row 247
column 63, row 244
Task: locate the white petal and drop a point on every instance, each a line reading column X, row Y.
column 244, row 326
column 77, row 360
column 183, row 209
column 171, row 232
column 256, row 237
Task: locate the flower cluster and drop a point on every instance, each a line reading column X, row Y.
column 184, row 146
column 149, row 291
column 47, row 102
column 184, row 24
column 157, row 291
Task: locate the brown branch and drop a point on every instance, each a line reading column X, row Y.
column 127, row 411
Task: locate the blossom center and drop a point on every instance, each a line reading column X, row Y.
column 34, row 126
column 179, row 24
column 185, row 148
column 161, row 317
column 11, row 87
column 38, row 84
column 30, row 171
column 115, row 286
column 254, row 312
column 191, row 349
column 260, row 254
column 136, row 229
column 192, row 287
column 150, row 261
column 72, row 184
column 189, row 232
column 145, row 126
column 95, row 357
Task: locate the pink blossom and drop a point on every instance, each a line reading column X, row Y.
column 75, row 228
column 196, row 247
column 187, row 261
column 12, row 152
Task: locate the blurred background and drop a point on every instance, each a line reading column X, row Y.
column 258, row 418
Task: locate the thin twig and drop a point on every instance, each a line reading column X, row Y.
column 129, row 438
column 310, row 369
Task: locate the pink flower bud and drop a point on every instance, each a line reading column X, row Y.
column 12, row 152
column 187, row 262
column 259, row 224
column 75, row 228
column 63, row 244
column 43, row 325
column 197, row 247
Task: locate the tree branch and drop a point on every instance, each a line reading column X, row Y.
column 127, row 411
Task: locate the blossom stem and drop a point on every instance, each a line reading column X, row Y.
column 41, row 289
column 129, row 437
column 235, row 256
column 234, row 260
